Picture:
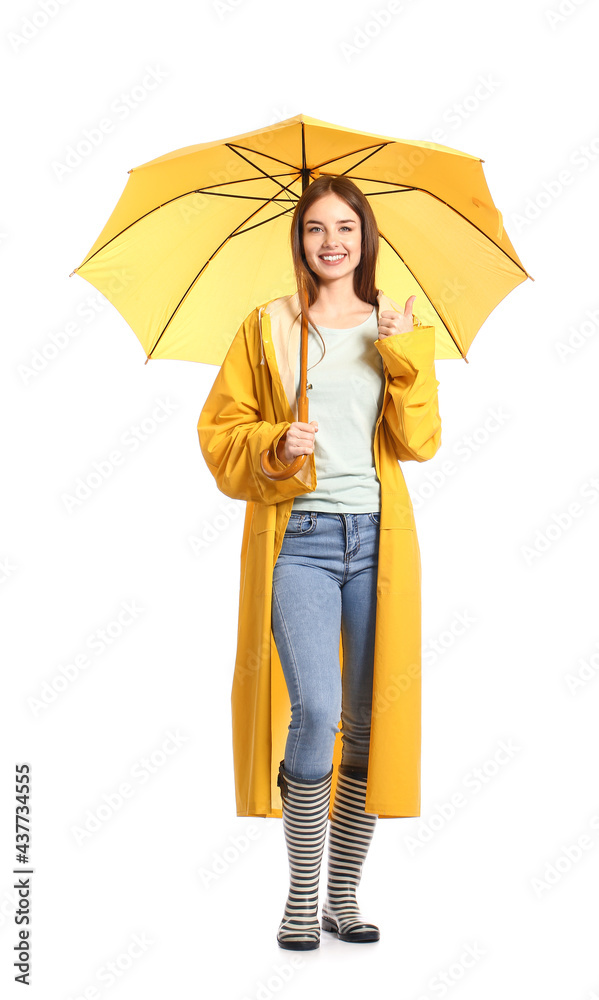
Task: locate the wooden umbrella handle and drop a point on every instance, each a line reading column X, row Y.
column 268, row 468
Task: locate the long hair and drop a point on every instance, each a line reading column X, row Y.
column 364, row 274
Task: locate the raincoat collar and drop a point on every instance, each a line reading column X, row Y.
column 280, row 328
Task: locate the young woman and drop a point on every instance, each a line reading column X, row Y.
column 329, row 556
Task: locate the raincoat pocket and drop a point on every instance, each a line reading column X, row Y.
column 396, row 513
column 399, row 565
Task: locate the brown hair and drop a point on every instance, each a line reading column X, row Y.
column 364, row 274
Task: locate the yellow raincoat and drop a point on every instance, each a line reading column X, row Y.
column 250, row 407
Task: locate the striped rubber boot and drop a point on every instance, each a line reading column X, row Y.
column 350, row 834
column 305, row 813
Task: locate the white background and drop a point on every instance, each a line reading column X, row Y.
column 501, row 875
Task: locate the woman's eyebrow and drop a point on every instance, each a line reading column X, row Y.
column 322, row 223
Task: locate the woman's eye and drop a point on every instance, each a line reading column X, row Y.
column 313, row 229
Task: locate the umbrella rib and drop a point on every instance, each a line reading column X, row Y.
column 185, row 194
column 248, row 229
column 238, row 229
column 401, row 190
column 304, row 163
column 379, row 180
column 210, row 188
column 419, row 283
column 465, row 218
column 246, row 197
column 238, row 232
column 353, row 152
column 255, row 166
column 276, row 159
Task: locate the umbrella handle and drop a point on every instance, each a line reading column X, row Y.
column 302, row 415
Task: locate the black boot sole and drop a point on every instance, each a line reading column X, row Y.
column 356, row 936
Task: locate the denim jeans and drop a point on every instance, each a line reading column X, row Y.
column 324, row 583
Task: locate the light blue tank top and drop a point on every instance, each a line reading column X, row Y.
column 347, row 393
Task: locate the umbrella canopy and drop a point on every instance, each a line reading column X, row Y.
column 201, row 235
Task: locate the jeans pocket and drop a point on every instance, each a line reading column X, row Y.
column 375, row 517
column 301, row 523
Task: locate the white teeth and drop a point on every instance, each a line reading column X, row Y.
column 334, row 257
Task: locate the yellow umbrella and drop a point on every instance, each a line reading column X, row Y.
column 201, row 235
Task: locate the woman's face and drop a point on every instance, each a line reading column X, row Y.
column 332, row 237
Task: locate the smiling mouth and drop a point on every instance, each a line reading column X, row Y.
column 332, row 258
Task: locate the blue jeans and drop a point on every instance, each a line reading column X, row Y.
column 324, row 583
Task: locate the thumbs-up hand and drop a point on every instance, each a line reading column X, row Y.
column 391, row 322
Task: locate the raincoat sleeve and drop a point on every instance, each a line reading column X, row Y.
column 233, row 434
column 412, row 409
